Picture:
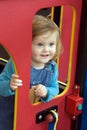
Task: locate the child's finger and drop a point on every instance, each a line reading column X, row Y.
column 15, row 76
column 16, row 84
column 17, row 81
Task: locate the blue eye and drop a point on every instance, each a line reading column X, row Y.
column 51, row 44
column 40, row 44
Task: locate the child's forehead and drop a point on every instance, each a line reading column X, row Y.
column 48, row 34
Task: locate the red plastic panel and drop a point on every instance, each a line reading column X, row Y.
column 16, row 35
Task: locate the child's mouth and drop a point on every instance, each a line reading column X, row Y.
column 45, row 55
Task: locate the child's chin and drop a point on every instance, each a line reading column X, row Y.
column 44, row 62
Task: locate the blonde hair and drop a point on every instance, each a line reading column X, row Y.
column 41, row 25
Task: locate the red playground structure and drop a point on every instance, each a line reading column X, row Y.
column 16, row 18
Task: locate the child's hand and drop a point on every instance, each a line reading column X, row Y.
column 40, row 90
column 15, row 82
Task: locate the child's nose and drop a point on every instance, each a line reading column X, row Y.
column 46, row 48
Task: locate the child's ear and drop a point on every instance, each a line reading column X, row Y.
column 60, row 47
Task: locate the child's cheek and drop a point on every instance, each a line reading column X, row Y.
column 34, row 54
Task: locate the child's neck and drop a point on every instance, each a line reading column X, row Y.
column 38, row 66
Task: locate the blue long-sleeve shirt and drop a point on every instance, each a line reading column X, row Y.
column 5, row 77
column 47, row 76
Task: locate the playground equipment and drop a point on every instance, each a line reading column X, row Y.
column 16, row 36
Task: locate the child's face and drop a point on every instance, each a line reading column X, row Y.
column 43, row 49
